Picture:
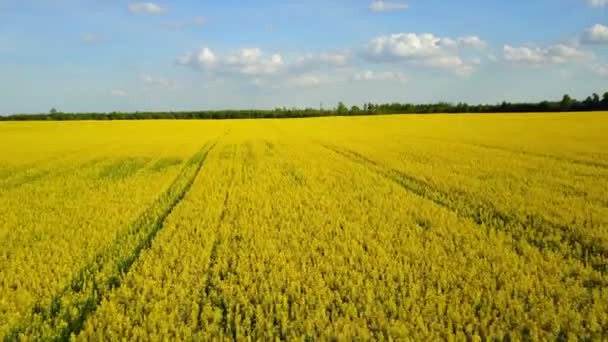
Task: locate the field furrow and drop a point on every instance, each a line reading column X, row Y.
column 278, row 267
column 162, row 263
column 424, row 228
column 584, row 162
column 535, row 230
column 65, row 166
column 71, row 307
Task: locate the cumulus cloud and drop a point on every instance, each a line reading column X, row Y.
column 471, row 41
column 423, row 49
column 538, row 56
column 384, row 76
column 404, row 46
column 387, row 6
column 145, row 8
column 527, row 55
column 202, row 59
column 248, row 61
column 254, row 62
column 596, row 34
column 308, row 81
column 271, row 71
column 318, row 61
column 452, row 63
column 251, row 61
column 598, row 3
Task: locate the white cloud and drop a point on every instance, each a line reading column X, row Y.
column 596, row 34
column 308, row 81
column 254, row 62
column 404, row 45
column 472, row 41
column 387, row 6
column 537, row 56
column 453, row 63
column 527, row 55
column 318, row 61
column 118, row 93
column 462, row 42
column 598, row 3
column 423, row 49
column 266, row 71
column 202, row 59
column 251, row 61
column 304, row 80
column 601, row 70
column 90, row 39
column 384, row 76
column 248, row 61
column 206, row 57
column 145, row 8
column 561, row 53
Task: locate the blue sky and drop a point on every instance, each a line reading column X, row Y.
column 116, row 55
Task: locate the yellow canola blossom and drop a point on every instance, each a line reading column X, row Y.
column 447, row 227
column 54, row 226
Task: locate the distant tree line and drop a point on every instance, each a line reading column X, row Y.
column 567, row 104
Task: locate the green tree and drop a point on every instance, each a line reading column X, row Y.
column 566, row 102
column 342, row 109
column 371, row 108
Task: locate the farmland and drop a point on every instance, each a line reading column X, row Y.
column 419, row 227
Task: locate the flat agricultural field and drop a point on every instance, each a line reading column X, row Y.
column 390, row 227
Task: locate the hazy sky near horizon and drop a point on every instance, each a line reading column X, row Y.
column 117, row 55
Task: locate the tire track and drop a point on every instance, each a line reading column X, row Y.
column 560, row 179
column 209, row 288
column 581, row 162
column 68, row 310
column 8, row 172
column 33, row 175
column 533, row 229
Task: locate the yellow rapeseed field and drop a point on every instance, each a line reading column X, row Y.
column 418, row 227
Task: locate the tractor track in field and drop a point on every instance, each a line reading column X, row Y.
column 7, row 172
column 484, row 213
column 580, row 162
column 57, row 321
column 208, row 287
column 30, row 176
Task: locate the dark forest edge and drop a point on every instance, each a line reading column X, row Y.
column 567, row 104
